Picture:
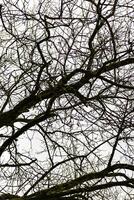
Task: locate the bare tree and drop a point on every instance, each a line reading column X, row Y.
column 66, row 99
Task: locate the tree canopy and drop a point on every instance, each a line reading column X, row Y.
column 66, row 100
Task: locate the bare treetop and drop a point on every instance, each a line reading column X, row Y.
column 66, row 99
